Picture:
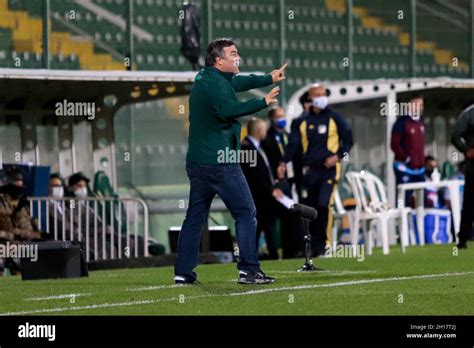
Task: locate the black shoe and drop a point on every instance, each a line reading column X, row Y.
column 462, row 245
column 183, row 280
column 254, row 278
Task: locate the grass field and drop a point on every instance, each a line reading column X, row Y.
column 426, row 280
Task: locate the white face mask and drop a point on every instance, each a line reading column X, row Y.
column 80, row 192
column 57, row 192
column 414, row 111
column 320, row 102
column 415, row 116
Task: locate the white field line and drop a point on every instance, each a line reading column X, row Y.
column 324, row 271
column 56, row 297
column 154, row 287
column 251, row 292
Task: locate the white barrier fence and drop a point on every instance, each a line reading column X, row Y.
column 109, row 228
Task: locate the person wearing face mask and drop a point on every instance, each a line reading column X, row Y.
column 408, row 144
column 56, row 186
column 16, row 222
column 324, row 138
column 306, row 101
column 58, row 208
column 276, row 140
column 78, row 188
column 78, row 185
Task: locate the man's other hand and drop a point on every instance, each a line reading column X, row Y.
column 277, row 193
column 270, row 98
column 331, row 161
column 279, row 74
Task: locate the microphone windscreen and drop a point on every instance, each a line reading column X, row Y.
column 304, row 211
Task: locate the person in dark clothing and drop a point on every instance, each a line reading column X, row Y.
column 16, row 223
column 306, row 102
column 408, row 144
column 463, row 140
column 276, row 139
column 261, row 181
column 274, row 146
column 214, row 129
column 324, row 138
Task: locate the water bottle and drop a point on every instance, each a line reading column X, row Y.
column 436, row 176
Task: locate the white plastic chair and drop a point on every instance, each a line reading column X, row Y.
column 372, row 206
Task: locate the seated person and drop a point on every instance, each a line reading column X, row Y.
column 62, row 210
column 65, row 222
column 16, row 223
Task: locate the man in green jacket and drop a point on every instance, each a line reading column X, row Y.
column 214, row 132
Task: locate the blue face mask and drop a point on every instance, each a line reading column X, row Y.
column 281, row 123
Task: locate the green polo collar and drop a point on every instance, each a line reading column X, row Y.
column 227, row 75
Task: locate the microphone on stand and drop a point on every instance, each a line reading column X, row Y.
column 304, row 211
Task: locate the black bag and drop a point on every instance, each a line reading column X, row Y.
column 191, row 35
column 55, row 259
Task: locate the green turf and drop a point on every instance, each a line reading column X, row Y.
column 333, row 291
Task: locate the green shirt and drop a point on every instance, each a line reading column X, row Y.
column 214, row 109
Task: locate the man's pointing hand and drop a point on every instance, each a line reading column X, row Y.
column 279, row 74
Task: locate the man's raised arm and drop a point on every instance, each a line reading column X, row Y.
column 242, row 83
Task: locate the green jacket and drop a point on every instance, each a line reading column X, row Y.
column 214, row 109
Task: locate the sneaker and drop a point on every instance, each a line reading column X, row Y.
column 181, row 280
column 254, row 278
column 462, row 245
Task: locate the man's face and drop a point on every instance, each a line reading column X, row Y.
column 261, row 131
column 54, row 182
column 417, row 107
column 79, row 184
column 18, row 183
column 315, row 92
column 279, row 114
column 230, row 62
column 278, row 119
column 431, row 165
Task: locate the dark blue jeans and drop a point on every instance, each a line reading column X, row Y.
column 227, row 181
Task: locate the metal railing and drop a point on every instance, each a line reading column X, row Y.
column 108, row 227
